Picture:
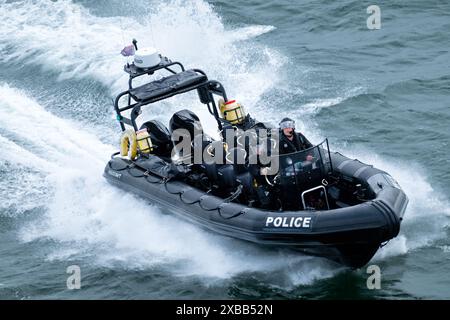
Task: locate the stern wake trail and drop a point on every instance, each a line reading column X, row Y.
column 246, row 68
column 66, row 38
column 233, row 57
column 87, row 218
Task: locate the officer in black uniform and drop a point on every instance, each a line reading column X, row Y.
column 235, row 122
column 290, row 140
column 233, row 115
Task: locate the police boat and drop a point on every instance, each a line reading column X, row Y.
column 319, row 202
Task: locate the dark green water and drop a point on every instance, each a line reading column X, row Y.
column 381, row 96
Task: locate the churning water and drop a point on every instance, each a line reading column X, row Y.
column 380, row 96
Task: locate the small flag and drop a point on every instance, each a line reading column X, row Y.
column 128, row 51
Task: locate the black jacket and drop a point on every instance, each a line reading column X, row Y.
column 248, row 123
column 297, row 144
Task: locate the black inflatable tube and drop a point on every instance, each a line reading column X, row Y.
column 349, row 235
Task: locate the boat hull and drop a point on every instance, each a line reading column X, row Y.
column 350, row 235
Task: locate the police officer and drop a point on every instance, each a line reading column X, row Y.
column 290, row 140
column 233, row 115
column 237, row 126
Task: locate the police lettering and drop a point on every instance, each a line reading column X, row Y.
column 288, row 222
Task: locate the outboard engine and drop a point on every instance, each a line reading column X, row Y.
column 160, row 137
column 184, row 127
column 186, row 119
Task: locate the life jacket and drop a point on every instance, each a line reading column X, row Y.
column 297, row 144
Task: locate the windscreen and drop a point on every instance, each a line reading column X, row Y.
column 306, row 168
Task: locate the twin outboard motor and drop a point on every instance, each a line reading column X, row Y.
column 160, row 137
column 224, row 176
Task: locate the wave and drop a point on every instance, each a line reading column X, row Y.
column 86, row 217
column 427, row 215
column 428, row 211
column 66, row 37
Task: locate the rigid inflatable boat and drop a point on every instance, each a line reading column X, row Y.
column 323, row 203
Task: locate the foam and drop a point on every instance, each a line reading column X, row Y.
column 86, row 216
column 74, row 43
column 428, row 209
